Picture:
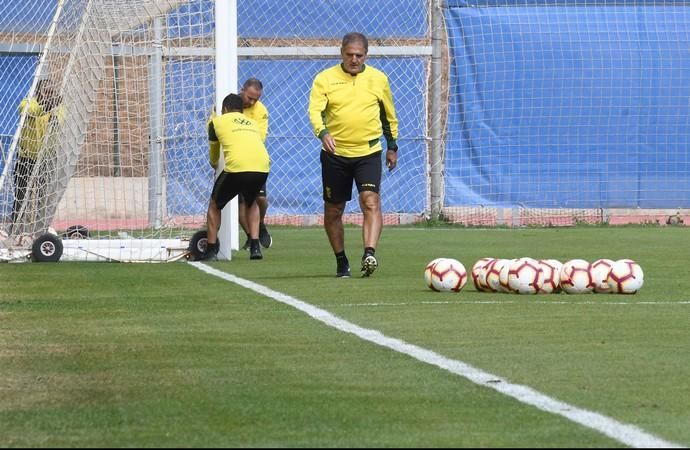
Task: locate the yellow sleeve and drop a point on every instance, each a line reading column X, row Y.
column 32, row 107
column 262, row 122
column 214, row 153
column 388, row 117
column 318, row 100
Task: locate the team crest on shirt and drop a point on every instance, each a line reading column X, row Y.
column 241, row 121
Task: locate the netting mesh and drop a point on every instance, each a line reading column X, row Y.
column 127, row 155
column 566, row 111
column 524, row 112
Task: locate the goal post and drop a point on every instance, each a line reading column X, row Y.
column 120, row 156
column 99, row 160
column 226, row 80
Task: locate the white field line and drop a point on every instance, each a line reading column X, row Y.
column 460, row 302
column 621, row 432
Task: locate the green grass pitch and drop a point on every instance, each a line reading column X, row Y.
column 165, row 355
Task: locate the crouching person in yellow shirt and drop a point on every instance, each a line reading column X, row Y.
column 246, row 169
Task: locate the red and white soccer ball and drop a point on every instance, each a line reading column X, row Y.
column 552, row 276
column 428, row 271
column 479, row 275
column 493, row 275
column 503, row 276
column 600, row 272
column 446, row 275
column 625, row 277
column 525, row 276
column 576, row 277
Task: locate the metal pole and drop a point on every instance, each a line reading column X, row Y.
column 156, row 119
column 116, row 116
column 226, row 83
column 435, row 87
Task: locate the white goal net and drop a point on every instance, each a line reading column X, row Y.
column 123, row 157
column 99, row 138
column 511, row 113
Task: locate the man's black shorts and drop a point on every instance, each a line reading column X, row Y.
column 338, row 173
column 228, row 185
column 261, row 193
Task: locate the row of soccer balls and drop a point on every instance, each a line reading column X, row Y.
column 531, row 276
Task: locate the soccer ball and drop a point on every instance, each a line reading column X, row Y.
column 525, row 276
column 625, row 277
column 576, row 277
column 479, row 275
column 493, row 275
column 552, row 276
column 447, row 274
column 428, row 271
column 503, row 276
column 600, row 271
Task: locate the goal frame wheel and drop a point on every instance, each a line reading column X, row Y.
column 46, row 248
column 76, row 232
column 198, row 245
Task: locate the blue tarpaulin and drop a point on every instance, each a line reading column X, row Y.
column 294, row 185
column 569, row 106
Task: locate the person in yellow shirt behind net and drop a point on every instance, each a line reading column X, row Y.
column 251, row 92
column 247, row 165
column 41, row 111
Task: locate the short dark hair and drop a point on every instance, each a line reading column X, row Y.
column 233, row 102
column 253, row 82
column 350, row 38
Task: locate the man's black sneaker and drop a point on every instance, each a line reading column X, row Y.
column 211, row 253
column 343, row 270
column 255, row 251
column 369, row 265
column 247, row 244
column 264, row 236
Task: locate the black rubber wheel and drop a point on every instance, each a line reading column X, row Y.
column 46, row 248
column 76, row 232
column 198, row 244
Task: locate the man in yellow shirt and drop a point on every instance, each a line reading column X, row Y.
column 246, row 170
column 41, row 111
column 350, row 108
column 251, row 92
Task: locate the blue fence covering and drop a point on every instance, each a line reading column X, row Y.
column 27, row 17
column 570, row 3
column 16, row 74
column 15, row 81
column 293, row 148
column 319, row 19
column 261, row 18
column 309, row 19
column 577, row 107
column 294, row 185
